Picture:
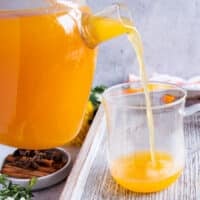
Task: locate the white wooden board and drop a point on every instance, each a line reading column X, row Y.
column 90, row 178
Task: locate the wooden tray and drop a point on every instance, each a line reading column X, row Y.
column 90, row 178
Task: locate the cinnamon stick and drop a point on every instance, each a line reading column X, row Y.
column 30, row 163
column 9, row 169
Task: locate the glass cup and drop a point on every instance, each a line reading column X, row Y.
column 129, row 154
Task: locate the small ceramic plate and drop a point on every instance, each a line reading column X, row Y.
column 42, row 182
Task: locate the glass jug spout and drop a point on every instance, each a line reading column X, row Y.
column 113, row 21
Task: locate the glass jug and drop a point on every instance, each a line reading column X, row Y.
column 47, row 62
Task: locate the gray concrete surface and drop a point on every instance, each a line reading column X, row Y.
column 170, row 31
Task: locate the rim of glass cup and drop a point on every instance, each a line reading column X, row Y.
column 174, row 86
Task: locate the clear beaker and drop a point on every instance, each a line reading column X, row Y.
column 129, row 153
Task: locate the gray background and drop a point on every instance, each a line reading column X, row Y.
column 170, row 31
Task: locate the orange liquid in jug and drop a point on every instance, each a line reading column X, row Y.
column 136, row 172
column 46, row 72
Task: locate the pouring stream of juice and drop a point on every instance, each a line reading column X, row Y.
column 102, row 29
column 145, row 171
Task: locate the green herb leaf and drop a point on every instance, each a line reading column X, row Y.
column 13, row 191
column 96, row 95
column 32, row 182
